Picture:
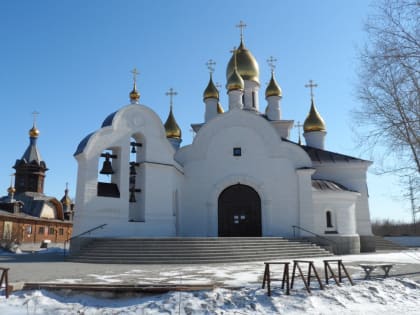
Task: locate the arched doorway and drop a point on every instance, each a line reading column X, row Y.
column 239, row 212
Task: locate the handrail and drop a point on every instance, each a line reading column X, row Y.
column 317, row 235
column 81, row 234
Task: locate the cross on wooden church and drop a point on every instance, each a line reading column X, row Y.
column 171, row 93
column 272, row 63
column 299, row 126
column 210, row 65
column 241, row 26
column 311, row 85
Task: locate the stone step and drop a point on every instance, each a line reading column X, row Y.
column 193, row 250
column 383, row 244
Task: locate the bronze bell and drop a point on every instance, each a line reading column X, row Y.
column 107, row 167
column 133, row 149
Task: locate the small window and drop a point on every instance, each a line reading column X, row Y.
column 329, row 219
column 41, row 230
column 61, row 231
column 237, row 151
column 51, row 231
column 28, row 229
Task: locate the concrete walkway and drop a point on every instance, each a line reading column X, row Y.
column 51, row 267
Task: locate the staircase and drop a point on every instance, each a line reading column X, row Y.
column 195, row 250
column 385, row 245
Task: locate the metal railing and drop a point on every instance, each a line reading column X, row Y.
column 81, row 234
column 335, row 246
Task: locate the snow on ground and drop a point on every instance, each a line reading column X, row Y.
column 390, row 296
column 397, row 294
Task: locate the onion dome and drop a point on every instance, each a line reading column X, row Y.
column 34, row 132
column 220, row 109
column 11, row 190
column 273, row 89
column 134, row 94
column 66, row 200
column 246, row 64
column 235, row 81
column 314, row 121
column 211, row 90
column 171, row 127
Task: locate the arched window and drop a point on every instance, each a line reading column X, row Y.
column 329, row 219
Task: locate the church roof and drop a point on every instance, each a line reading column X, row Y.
column 320, row 156
column 324, row 185
column 108, row 120
column 83, row 143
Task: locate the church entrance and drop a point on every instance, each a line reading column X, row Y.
column 239, row 212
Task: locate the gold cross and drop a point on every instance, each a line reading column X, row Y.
column 12, row 176
column 272, row 63
column 311, row 85
column 210, row 65
column 241, row 26
column 298, row 126
column 171, row 93
column 135, row 74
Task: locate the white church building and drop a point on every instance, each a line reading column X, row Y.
column 240, row 177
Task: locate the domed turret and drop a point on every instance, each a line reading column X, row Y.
column 171, row 127
column 220, row 109
column 246, row 64
column 235, row 81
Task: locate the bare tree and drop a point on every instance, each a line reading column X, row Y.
column 389, row 87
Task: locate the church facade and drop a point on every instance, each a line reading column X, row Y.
column 240, row 177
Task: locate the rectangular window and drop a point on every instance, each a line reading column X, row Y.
column 237, row 151
column 51, row 231
column 61, row 231
column 41, row 230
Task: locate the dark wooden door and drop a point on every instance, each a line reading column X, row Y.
column 239, row 212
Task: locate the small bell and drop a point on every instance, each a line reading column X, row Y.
column 133, row 170
column 132, row 196
column 133, row 149
column 107, row 166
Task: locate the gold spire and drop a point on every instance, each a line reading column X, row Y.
column 314, row 121
column 34, row 132
column 171, row 127
column 246, row 63
column 273, row 89
column 211, row 90
column 134, row 94
column 235, row 81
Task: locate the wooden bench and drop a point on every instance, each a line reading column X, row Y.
column 368, row 268
column 284, row 280
column 4, row 277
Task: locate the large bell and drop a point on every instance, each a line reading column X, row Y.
column 107, row 167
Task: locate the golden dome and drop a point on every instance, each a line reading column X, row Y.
column 273, row 89
column 211, row 90
column 314, row 121
column 220, row 109
column 11, row 190
column 171, row 127
column 134, row 94
column 235, row 82
column 34, row 132
column 246, row 64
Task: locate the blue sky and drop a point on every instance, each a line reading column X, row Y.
column 71, row 62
